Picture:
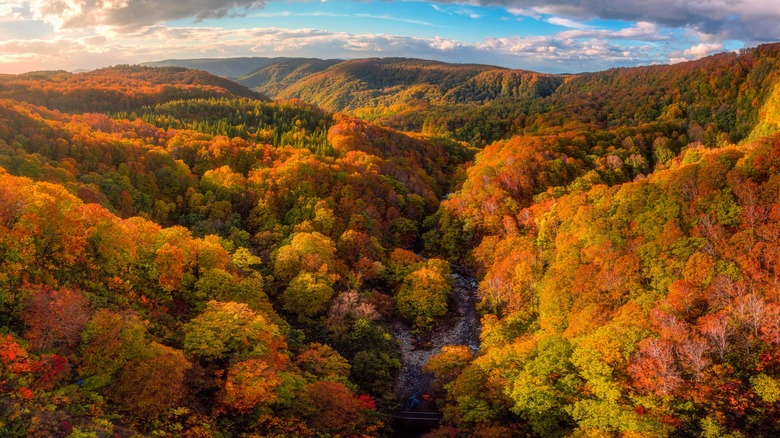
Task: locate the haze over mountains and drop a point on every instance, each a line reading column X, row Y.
column 231, row 68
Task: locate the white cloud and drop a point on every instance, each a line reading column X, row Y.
column 39, row 48
column 695, row 52
column 13, row 10
column 565, row 22
column 131, row 15
column 642, row 31
column 18, row 56
column 524, row 12
column 445, row 44
column 557, row 50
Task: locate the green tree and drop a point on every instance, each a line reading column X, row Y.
column 109, row 342
column 423, row 294
column 225, row 329
column 545, row 385
column 307, row 295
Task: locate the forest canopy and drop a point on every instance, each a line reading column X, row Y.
column 181, row 256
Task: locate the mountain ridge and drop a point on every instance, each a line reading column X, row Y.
column 340, row 85
column 230, row 68
column 428, row 96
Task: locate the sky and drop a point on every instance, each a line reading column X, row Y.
column 554, row 36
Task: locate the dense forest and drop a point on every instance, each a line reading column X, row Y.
column 182, row 256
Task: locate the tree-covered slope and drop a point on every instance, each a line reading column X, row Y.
column 238, row 259
column 643, row 308
column 386, row 82
column 722, row 97
column 626, row 255
column 119, row 88
column 275, row 78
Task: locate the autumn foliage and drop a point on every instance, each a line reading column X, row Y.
column 189, row 259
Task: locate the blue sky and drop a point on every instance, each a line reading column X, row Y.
column 540, row 35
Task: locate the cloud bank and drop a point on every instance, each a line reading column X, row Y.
column 93, row 33
column 746, row 20
column 590, row 50
column 130, row 15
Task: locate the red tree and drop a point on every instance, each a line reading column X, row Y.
column 55, row 318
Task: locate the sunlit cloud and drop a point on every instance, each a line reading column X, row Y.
column 565, row 22
column 566, row 50
column 695, row 52
column 642, row 31
column 525, row 12
column 13, row 10
column 93, row 33
column 132, row 15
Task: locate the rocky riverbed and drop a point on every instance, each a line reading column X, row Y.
column 461, row 326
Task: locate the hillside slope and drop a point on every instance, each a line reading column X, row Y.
column 118, row 88
column 215, row 264
column 720, row 94
column 385, row 82
column 628, row 309
column 275, row 78
column 627, row 249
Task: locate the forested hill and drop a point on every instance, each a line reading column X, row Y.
column 376, row 82
column 626, row 244
column 117, row 88
column 276, row 77
column 215, row 264
column 725, row 94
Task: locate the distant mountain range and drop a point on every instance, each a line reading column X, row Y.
column 374, row 82
column 231, row 68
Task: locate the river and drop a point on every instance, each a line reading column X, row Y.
column 461, row 326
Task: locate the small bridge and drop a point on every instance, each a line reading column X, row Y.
column 407, row 424
column 418, row 416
